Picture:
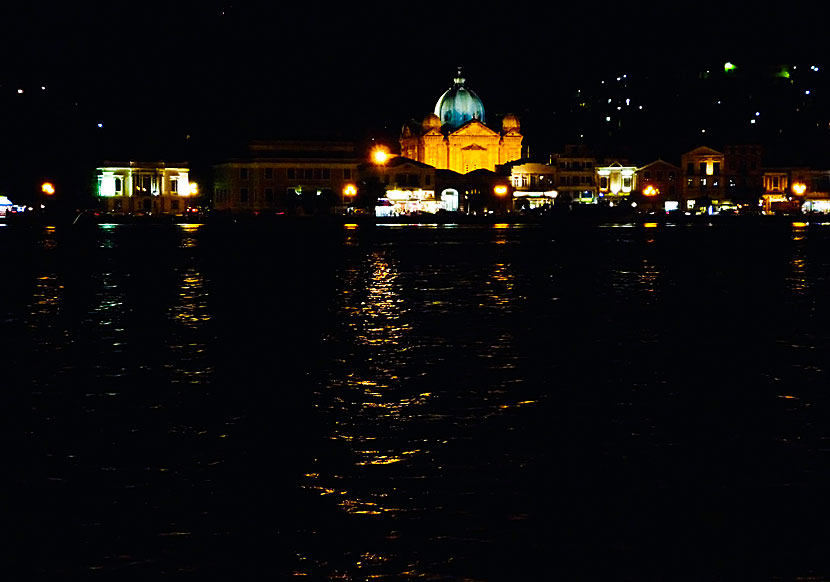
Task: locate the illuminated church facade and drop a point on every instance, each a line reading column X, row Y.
column 455, row 137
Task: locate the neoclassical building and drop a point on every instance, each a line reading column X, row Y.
column 455, row 137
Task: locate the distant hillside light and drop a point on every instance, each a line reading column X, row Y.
column 728, row 67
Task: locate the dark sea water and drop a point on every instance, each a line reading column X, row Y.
column 488, row 403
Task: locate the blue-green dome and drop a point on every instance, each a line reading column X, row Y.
column 458, row 105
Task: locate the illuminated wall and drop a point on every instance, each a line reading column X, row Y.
column 455, row 137
column 703, row 174
column 615, row 181
column 136, row 187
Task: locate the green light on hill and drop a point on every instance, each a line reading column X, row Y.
column 783, row 72
column 728, row 67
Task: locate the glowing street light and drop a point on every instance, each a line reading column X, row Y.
column 349, row 190
column 380, row 155
column 194, row 188
column 799, row 188
column 47, row 188
column 651, row 191
column 501, row 190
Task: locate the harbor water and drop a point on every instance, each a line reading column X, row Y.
column 480, row 402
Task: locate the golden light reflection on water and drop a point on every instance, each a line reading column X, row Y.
column 368, row 399
column 797, row 278
column 188, row 242
column 191, row 309
column 499, row 287
column 192, row 312
column 647, row 276
column 45, row 308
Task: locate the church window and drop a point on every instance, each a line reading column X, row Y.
column 243, row 195
column 309, row 173
column 716, row 168
column 603, row 182
column 243, row 173
column 269, row 194
column 269, row 173
column 326, row 174
column 290, row 173
column 347, row 173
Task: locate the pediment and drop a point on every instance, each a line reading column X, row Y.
column 474, row 127
column 704, row 151
column 474, row 147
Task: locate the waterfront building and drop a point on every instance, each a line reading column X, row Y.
column 702, row 180
column 787, row 189
column 144, row 187
column 657, row 185
column 534, row 184
column 296, row 177
column 405, row 186
column 743, row 172
column 815, row 185
column 615, row 182
column 455, row 137
column 576, row 174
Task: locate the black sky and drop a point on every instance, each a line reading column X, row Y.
column 189, row 78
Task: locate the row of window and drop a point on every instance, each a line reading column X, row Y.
column 658, row 175
column 252, row 195
column 703, row 168
column 577, row 165
column 296, row 173
column 574, row 180
column 407, row 179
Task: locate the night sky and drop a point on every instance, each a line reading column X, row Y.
column 193, row 80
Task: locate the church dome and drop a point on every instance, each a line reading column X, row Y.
column 510, row 123
column 430, row 122
column 458, row 105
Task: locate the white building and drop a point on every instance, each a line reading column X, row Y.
column 139, row 187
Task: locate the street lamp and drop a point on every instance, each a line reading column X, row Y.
column 380, row 155
column 47, row 188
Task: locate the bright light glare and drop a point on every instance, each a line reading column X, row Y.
column 48, row 188
column 380, row 155
column 194, row 188
column 500, row 190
